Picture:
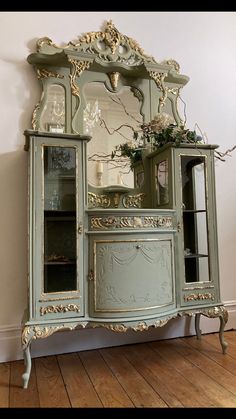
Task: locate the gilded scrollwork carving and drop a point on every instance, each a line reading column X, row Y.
column 133, row 201
column 173, row 64
column 43, row 73
column 116, row 46
column 159, row 80
column 35, row 116
column 78, row 68
column 41, row 332
column 141, row 326
column 199, row 296
column 112, row 222
column 59, row 309
column 95, row 201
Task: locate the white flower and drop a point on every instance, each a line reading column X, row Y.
column 161, row 121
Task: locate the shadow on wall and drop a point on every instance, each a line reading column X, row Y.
column 13, row 244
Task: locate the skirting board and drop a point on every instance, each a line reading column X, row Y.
column 81, row 340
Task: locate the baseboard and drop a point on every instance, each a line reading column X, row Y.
column 81, row 340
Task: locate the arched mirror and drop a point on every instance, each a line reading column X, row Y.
column 111, row 119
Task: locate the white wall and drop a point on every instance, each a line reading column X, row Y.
column 204, row 45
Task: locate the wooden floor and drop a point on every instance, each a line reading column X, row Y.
column 178, row 372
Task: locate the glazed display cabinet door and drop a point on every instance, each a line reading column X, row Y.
column 58, row 255
column 131, row 276
column 198, row 228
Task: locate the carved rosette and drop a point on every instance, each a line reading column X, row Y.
column 111, row 222
column 59, row 309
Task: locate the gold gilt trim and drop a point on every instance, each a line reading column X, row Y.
column 116, row 327
column 59, row 309
column 95, row 201
column 41, row 332
column 42, row 73
column 34, row 116
column 78, row 68
column 110, row 36
column 159, row 80
column 114, row 79
column 198, row 288
column 173, row 64
column 140, row 327
column 111, row 222
column 193, row 297
column 217, row 312
column 25, row 335
column 133, row 201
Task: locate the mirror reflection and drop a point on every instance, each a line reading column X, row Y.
column 110, row 118
column 53, row 114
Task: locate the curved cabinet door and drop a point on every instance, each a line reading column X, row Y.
column 131, row 276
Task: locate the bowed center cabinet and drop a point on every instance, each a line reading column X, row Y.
column 110, row 246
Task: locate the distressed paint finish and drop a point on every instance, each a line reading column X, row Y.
column 130, row 252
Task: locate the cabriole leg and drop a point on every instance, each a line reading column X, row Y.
column 27, row 362
column 197, row 325
column 221, row 333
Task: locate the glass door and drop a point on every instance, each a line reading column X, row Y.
column 59, row 197
column 195, row 225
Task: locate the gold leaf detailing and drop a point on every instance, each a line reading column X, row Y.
column 159, row 79
column 116, row 327
column 59, row 309
column 111, row 222
column 141, row 326
column 25, row 335
column 34, row 116
column 45, row 40
column 112, row 39
column 217, row 312
column 95, row 201
column 173, row 63
column 133, row 201
column 78, row 68
column 193, row 297
column 42, row 73
column 114, row 79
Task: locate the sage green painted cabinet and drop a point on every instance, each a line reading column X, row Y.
column 114, row 242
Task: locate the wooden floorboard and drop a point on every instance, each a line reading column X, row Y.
column 20, row 397
column 79, row 386
column 184, row 372
column 110, row 392
column 4, row 384
column 137, row 388
column 175, row 354
column 51, row 388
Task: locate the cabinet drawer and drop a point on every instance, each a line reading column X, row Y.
column 131, row 276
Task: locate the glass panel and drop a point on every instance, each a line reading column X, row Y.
column 53, row 115
column 59, row 219
column 110, row 118
column 161, row 176
column 195, row 218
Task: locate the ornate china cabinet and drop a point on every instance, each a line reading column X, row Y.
column 108, row 246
